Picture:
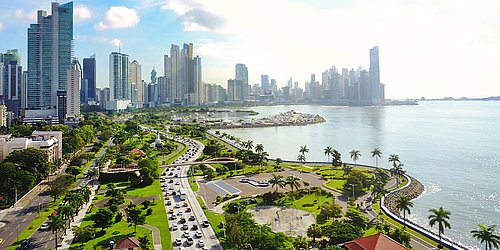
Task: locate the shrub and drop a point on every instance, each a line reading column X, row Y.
column 149, row 211
column 118, row 217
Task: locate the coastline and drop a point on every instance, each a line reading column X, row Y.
column 413, row 191
column 289, row 118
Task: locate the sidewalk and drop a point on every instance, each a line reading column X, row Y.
column 24, row 201
column 69, row 235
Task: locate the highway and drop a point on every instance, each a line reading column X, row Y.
column 205, row 232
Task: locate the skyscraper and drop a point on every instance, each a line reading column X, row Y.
column 375, row 76
column 199, row 91
column 73, row 90
column 10, row 81
column 135, row 79
column 264, row 82
column 118, row 76
column 49, row 55
column 241, row 73
column 89, row 80
column 173, row 75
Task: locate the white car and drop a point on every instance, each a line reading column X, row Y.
column 174, row 227
column 178, row 242
column 44, row 227
column 201, row 243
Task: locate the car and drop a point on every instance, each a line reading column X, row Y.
column 177, row 183
column 176, row 175
column 169, row 202
column 171, row 211
column 173, row 217
column 178, row 168
column 198, row 234
column 188, row 210
column 185, row 234
column 192, row 218
column 185, row 204
column 201, row 243
column 177, row 206
column 44, row 227
column 205, row 223
column 185, row 227
column 189, row 241
column 170, row 173
column 182, row 248
column 179, row 213
column 174, row 227
column 178, row 242
column 204, row 248
column 171, row 181
column 194, row 227
column 25, row 244
column 182, row 220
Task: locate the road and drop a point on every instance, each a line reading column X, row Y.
column 44, row 239
column 195, row 149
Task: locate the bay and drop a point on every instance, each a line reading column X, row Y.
column 452, row 147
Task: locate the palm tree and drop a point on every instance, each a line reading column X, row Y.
column 301, row 158
column 314, row 231
column 262, row 156
column 85, row 192
column 487, row 235
column 277, row 181
column 397, row 170
column 293, row 182
column 394, row 158
column 249, row 145
column 441, row 217
column 92, row 174
column 376, row 153
column 378, row 189
column 56, row 223
column 278, row 162
column 328, row 152
column 303, row 149
column 404, row 204
column 259, row 148
column 355, row 154
column 67, row 212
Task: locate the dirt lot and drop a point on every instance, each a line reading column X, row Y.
column 248, row 190
column 290, row 221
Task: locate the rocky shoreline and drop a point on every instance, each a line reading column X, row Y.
column 414, row 190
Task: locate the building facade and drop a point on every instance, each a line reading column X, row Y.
column 119, row 76
column 88, row 88
column 73, row 91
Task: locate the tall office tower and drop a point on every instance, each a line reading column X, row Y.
column 234, row 90
column 145, row 93
column 62, row 105
column 11, row 76
column 153, row 76
column 264, row 83
column 163, row 90
column 273, row 85
column 24, row 91
column 89, row 80
column 290, row 83
column 50, row 51
column 104, row 96
column 375, row 75
column 198, row 81
column 118, row 76
column 344, row 83
column 241, row 73
column 135, row 78
column 173, row 73
column 187, row 79
column 365, row 88
column 73, row 90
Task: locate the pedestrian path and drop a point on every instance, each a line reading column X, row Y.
column 69, row 236
column 156, row 236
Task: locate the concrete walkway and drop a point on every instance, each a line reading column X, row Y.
column 69, row 236
column 156, row 236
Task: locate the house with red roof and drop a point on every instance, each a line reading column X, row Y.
column 128, row 243
column 375, row 242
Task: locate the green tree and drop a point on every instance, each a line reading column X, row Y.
column 357, row 218
column 397, row 170
column 378, row 189
column 377, row 153
column 401, row 236
column 331, row 210
column 92, row 174
column 340, row 232
column 301, row 158
column 67, row 212
column 336, row 158
column 83, row 234
column 394, row 158
column 328, row 151
column 486, row 234
column 33, row 160
column 60, row 185
column 355, row 154
column 144, row 242
column 293, row 182
column 103, row 218
column 135, row 216
column 56, row 223
column 278, row 162
column 303, row 150
column 441, row 217
column 259, row 148
column 277, row 181
column 403, row 204
column 314, row 231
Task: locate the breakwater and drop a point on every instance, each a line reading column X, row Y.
column 413, row 190
column 288, row 118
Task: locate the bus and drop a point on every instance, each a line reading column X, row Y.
column 182, row 194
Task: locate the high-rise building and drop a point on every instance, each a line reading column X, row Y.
column 11, row 81
column 73, row 90
column 375, row 75
column 104, row 96
column 173, row 74
column 62, row 105
column 118, row 76
column 234, row 90
column 264, row 83
column 89, row 80
column 50, row 43
column 241, row 73
column 198, row 81
column 135, row 79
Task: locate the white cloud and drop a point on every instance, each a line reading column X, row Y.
column 27, row 16
column 2, row 26
column 81, row 13
column 427, row 48
column 116, row 42
column 195, row 16
column 119, row 17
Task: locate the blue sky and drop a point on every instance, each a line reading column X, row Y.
column 431, row 48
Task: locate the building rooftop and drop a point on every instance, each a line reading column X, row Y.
column 375, row 242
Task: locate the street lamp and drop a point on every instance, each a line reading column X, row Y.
column 353, row 185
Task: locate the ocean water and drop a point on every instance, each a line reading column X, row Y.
column 452, row 147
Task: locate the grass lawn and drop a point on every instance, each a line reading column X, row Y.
column 301, row 168
column 336, row 184
column 307, row 203
column 181, row 149
column 193, row 184
column 213, row 218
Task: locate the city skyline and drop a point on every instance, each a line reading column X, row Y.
column 419, row 41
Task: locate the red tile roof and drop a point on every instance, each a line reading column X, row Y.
column 128, row 243
column 375, row 242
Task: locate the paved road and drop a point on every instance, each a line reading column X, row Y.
column 195, row 149
column 44, row 239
